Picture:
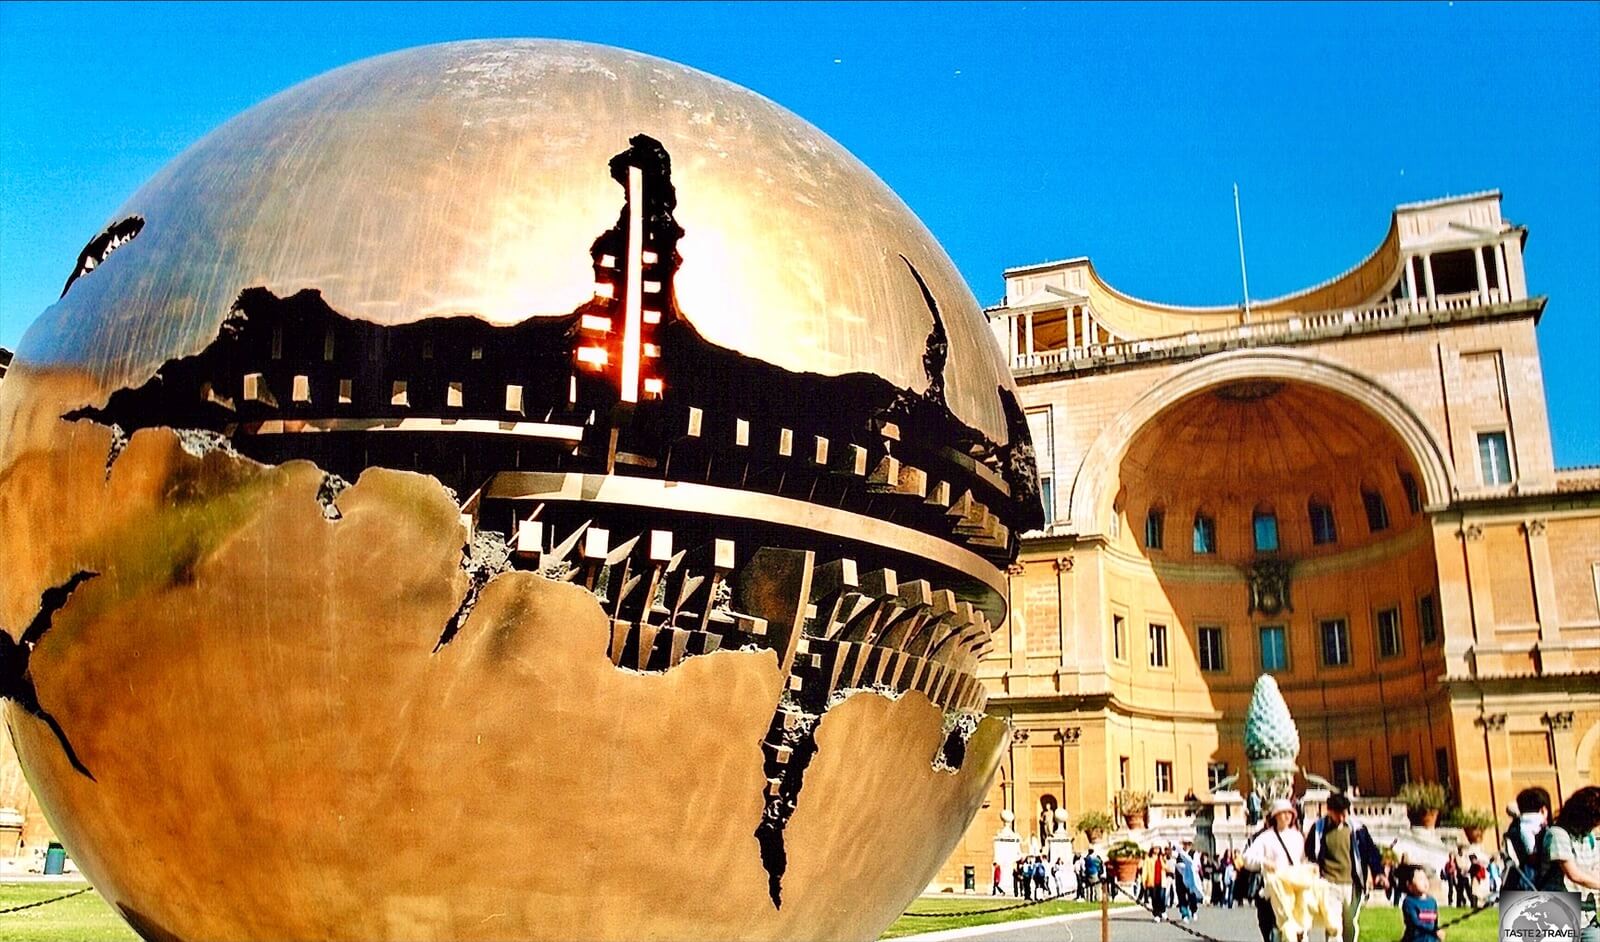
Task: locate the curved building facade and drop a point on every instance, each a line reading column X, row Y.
column 1350, row 487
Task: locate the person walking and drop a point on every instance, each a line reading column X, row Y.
column 1348, row 859
column 997, row 891
column 1152, row 876
column 1230, row 872
column 1187, row 882
column 1525, row 839
column 1572, row 858
column 1092, row 869
column 1276, row 846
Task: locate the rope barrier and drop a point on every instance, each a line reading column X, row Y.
column 998, row 909
column 45, row 902
column 1117, row 888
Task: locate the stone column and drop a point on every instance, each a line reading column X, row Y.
column 1483, row 276
column 1029, row 317
column 1427, row 272
column 1500, row 270
column 1411, row 280
column 1542, row 572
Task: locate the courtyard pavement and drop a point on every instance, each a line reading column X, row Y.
column 1128, row 924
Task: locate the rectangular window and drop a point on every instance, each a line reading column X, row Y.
column 1158, row 645
column 1041, row 428
column 1441, row 765
column 1428, row 618
column 1494, row 458
column 1377, row 510
column 1323, row 528
column 1335, row 642
column 1266, row 525
column 1119, row 637
column 1164, row 778
column 1389, row 641
column 1205, row 535
column 1215, row 773
column 1155, row 520
column 1209, row 643
column 1274, row 648
column 1400, row 770
column 1344, row 774
column 1413, row 493
column 1122, row 771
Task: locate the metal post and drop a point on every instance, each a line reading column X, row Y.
column 1105, row 904
column 1244, row 276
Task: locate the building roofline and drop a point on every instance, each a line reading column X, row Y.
column 1447, row 200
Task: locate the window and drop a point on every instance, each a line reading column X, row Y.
column 1205, row 534
column 1344, row 774
column 1494, row 458
column 1209, row 642
column 1042, row 430
column 1155, row 521
column 1323, row 530
column 1427, row 618
column 1400, row 770
column 1119, row 637
column 1377, row 511
column 1413, row 493
column 1215, row 773
column 1389, row 642
column 1335, row 642
column 1158, row 645
column 1164, row 777
column 1274, row 648
column 1266, row 527
column 1122, row 771
column 1441, row 765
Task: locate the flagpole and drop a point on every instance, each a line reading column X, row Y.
column 1244, row 274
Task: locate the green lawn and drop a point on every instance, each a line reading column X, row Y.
column 911, row 925
column 83, row 918
column 1383, row 923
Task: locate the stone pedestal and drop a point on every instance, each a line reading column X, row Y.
column 1007, row 851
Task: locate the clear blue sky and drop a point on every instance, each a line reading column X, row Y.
column 1017, row 132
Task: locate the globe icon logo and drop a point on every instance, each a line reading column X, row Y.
column 1535, row 915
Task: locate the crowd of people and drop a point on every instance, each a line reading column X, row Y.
column 1544, row 850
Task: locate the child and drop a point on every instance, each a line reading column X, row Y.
column 1420, row 912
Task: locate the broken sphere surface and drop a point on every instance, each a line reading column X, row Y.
column 509, row 490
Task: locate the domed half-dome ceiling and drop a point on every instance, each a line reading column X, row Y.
column 454, row 180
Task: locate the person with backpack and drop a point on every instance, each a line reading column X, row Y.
column 1092, row 869
column 1525, row 838
column 1571, row 856
column 1348, row 859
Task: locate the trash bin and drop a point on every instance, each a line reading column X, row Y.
column 55, row 858
column 969, row 878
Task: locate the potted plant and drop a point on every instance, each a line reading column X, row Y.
column 1093, row 825
column 1472, row 821
column 1124, row 859
column 1134, row 805
column 1423, row 801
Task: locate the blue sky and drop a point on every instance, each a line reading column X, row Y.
column 1018, row 132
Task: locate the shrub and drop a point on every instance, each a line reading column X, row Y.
column 1093, row 821
column 1130, row 801
column 1422, row 796
column 1471, row 818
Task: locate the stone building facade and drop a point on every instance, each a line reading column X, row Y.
column 1351, row 487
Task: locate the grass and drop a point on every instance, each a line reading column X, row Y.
column 87, row 918
column 911, row 925
column 1383, row 922
column 83, row 918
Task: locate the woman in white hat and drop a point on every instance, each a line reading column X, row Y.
column 1278, row 844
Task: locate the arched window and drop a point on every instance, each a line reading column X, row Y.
column 1323, row 529
column 1205, row 533
column 1265, row 522
column 1155, row 525
column 1377, row 510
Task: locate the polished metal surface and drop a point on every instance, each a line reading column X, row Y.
column 278, row 753
column 471, row 178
